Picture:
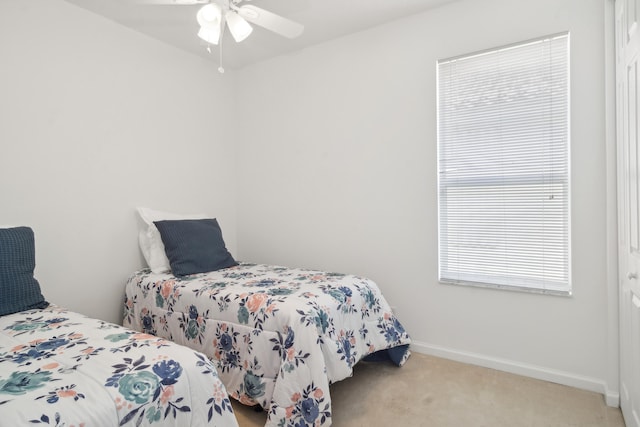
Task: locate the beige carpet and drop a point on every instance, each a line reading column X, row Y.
column 430, row 391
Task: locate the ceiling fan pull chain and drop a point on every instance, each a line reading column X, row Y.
column 220, row 68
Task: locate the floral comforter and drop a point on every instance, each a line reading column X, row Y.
column 59, row 368
column 278, row 336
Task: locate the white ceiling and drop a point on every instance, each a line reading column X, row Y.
column 323, row 20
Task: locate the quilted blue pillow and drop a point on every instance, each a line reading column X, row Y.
column 19, row 290
column 194, row 246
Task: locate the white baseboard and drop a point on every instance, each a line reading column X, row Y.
column 612, row 397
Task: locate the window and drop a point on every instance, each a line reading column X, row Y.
column 503, row 167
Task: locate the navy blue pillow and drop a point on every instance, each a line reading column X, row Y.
column 194, row 246
column 19, row 290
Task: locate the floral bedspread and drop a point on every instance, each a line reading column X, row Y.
column 278, row 336
column 60, row 368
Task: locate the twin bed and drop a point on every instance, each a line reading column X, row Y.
column 60, row 368
column 194, row 335
column 278, row 336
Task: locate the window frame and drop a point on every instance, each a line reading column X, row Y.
column 471, row 279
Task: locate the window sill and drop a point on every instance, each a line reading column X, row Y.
column 523, row 289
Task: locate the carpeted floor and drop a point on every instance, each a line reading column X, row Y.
column 435, row 392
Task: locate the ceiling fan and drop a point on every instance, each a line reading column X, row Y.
column 216, row 15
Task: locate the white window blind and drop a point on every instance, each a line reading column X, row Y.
column 503, row 167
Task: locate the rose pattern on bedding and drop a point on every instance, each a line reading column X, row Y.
column 60, row 368
column 33, row 325
column 270, row 330
column 21, row 382
column 149, row 391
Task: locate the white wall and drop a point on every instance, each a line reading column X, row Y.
column 95, row 120
column 337, row 171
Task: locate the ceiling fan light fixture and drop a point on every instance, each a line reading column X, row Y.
column 239, row 28
column 210, row 34
column 209, row 15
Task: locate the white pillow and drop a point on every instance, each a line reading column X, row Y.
column 150, row 241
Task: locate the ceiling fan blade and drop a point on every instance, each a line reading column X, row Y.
column 272, row 22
